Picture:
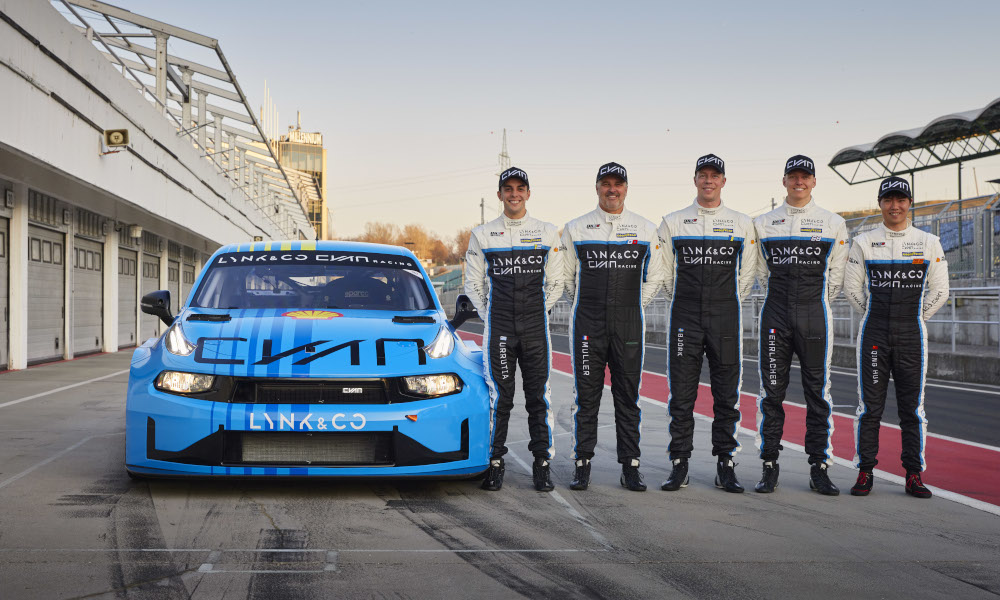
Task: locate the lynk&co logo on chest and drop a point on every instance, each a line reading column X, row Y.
column 594, row 226
column 900, row 279
column 690, row 221
column 772, row 363
column 585, row 355
column 777, row 222
column 712, row 255
column 521, row 264
column 612, row 259
column 795, row 255
column 357, row 421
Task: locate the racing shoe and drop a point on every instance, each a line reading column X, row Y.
column 494, row 476
column 540, row 473
column 581, row 476
column 632, row 478
column 915, row 487
column 678, row 476
column 863, row 486
column 768, row 478
column 725, row 477
column 819, row 480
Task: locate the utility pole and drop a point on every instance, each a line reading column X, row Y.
column 772, row 202
column 482, row 211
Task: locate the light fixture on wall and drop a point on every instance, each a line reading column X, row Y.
column 135, row 231
column 8, row 198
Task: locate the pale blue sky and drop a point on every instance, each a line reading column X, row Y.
column 411, row 96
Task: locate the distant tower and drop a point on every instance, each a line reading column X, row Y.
column 503, row 158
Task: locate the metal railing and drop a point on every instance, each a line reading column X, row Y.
column 970, row 319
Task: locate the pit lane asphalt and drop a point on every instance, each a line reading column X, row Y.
column 73, row 525
column 971, row 412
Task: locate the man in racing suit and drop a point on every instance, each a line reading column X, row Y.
column 710, row 254
column 897, row 277
column 513, row 276
column 804, row 250
column 613, row 269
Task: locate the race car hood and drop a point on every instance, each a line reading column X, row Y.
column 310, row 343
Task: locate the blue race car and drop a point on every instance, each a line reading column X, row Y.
column 307, row 359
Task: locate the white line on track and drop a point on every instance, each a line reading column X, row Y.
column 569, row 507
column 55, row 456
column 948, row 495
column 63, row 388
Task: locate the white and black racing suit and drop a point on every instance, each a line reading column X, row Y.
column 514, row 274
column 804, row 251
column 897, row 280
column 711, row 261
column 613, row 269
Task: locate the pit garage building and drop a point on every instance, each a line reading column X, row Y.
column 123, row 165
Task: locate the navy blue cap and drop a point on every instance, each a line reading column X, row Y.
column 513, row 173
column 894, row 185
column 800, row 162
column 612, row 168
column 710, row 161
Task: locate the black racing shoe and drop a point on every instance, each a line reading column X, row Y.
column 725, row 477
column 863, row 486
column 632, row 478
column 915, row 487
column 540, row 473
column 494, row 475
column 819, row 480
column 678, row 476
column 768, row 478
column 581, row 476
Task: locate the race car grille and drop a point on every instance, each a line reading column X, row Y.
column 325, row 392
column 342, row 449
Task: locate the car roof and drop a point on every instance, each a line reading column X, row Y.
column 293, row 245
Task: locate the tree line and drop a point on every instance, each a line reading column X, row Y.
column 423, row 243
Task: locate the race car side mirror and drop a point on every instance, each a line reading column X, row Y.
column 158, row 304
column 464, row 310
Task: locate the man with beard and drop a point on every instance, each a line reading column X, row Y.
column 613, row 269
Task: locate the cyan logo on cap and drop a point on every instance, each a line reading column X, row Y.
column 709, row 160
column 612, row 170
column 896, row 185
column 514, row 173
column 800, row 163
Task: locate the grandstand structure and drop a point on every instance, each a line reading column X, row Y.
column 128, row 153
column 969, row 228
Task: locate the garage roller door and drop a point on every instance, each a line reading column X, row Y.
column 187, row 282
column 4, row 293
column 174, row 284
column 148, row 324
column 127, row 269
column 88, row 295
column 46, row 281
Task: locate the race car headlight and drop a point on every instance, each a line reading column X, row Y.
column 175, row 341
column 443, row 344
column 432, row 385
column 184, row 383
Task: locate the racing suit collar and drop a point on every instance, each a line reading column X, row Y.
column 793, row 210
column 708, row 211
column 897, row 234
column 609, row 217
column 514, row 223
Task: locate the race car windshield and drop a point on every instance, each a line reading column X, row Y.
column 313, row 279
